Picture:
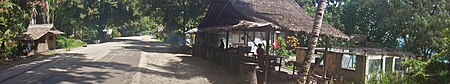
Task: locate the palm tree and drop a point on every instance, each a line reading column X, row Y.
column 320, row 10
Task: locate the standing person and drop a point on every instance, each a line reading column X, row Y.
column 261, row 55
column 222, row 44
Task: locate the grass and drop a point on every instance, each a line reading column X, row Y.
column 64, row 42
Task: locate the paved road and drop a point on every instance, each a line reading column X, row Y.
column 130, row 60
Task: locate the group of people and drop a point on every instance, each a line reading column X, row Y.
column 260, row 53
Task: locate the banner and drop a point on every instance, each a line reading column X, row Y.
column 275, row 44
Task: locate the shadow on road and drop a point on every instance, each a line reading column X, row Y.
column 189, row 67
column 75, row 68
column 153, row 46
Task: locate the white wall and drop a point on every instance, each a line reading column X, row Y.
column 258, row 37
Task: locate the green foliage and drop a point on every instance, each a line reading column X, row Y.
column 10, row 50
column 12, row 18
column 13, row 21
column 161, row 17
column 438, row 68
column 433, row 71
column 176, row 16
column 387, row 78
column 289, row 64
column 417, row 69
column 411, row 25
column 92, row 17
column 116, row 33
column 64, row 42
column 283, row 48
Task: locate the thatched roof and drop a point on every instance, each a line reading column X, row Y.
column 282, row 15
column 36, row 31
column 359, row 38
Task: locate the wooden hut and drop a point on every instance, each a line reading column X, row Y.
column 256, row 16
column 42, row 37
column 355, row 65
column 268, row 16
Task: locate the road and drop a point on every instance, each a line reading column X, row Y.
column 129, row 60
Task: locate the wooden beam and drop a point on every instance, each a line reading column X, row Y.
column 253, row 41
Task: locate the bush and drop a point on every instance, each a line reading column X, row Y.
column 435, row 70
column 64, row 42
column 11, row 48
column 386, row 78
column 289, row 64
column 285, row 48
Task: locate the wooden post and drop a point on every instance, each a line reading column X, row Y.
column 325, row 55
column 228, row 37
column 266, row 57
column 336, row 62
column 382, row 63
column 245, row 38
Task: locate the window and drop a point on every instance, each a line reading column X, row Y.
column 316, row 57
column 375, row 65
column 397, row 64
column 389, row 64
column 349, row 61
column 50, row 37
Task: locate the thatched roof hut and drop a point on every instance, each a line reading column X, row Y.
column 34, row 32
column 41, row 37
column 260, row 15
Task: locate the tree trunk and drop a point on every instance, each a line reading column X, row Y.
column 30, row 11
column 313, row 41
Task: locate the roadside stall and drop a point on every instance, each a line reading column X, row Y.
column 257, row 21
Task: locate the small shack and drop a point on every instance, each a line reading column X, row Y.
column 355, row 65
column 39, row 38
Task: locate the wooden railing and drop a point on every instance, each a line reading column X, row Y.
column 227, row 58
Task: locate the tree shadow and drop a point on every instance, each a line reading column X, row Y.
column 156, row 47
column 76, row 68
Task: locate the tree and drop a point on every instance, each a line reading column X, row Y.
column 13, row 21
column 176, row 16
column 320, row 10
